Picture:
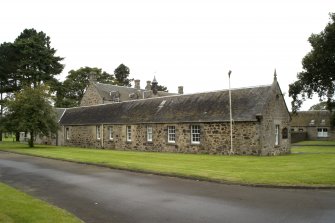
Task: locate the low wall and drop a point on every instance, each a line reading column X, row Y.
column 298, row 136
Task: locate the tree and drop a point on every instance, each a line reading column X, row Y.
column 318, row 75
column 162, row 88
column 37, row 62
column 29, row 61
column 71, row 91
column 8, row 66
column 121, row 74
column 30, row 110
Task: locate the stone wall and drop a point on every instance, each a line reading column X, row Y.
column 274, row 114
column 91, row 96
column 214, row 138
column 298, row 136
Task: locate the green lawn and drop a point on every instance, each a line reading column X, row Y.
column 16, row 207
column 300, row 169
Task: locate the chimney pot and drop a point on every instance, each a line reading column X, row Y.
column 180, row 90
column 92, row 77
column 137, row 84
column 148, row 87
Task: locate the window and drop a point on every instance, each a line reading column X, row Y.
column 301, row 130
column 116, row 100
column 67, row 133
column 277, row 135
column 195, row 134
column 322, row 132
column 149, row 134
column 98, row 133
column 110, row 132
column 171, row 134
column 128, row 133
column 292, row 130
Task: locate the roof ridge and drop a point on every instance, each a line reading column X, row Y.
column 175, row 96
column 315, row 111
column 113, row 85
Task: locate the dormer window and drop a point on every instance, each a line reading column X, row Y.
column 116, row 100
column 312, row 122
column 323, row 122
column 115, row 96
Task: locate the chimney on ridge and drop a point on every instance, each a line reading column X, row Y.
column 92, row 77
column 137, row 84
column 180, row 90
column 148, row 87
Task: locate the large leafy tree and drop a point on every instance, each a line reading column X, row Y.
column 121, row 74
column 8, row 66
column 30, row 110
column 318, row 75
column 70, row 93
column 9, row 58
column 29, row 61
column 37, row 62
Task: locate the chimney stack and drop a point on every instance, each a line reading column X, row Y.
column 137, row 84
column 180, row 90
column 148, row 87
column 92, row 77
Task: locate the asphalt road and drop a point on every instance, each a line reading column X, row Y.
column 97, row 194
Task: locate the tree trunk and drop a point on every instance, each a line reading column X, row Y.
column 17, row 136
column 31, row 140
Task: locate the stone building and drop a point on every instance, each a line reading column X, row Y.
column 191, row 123
column 98, row 93
column 312, row 125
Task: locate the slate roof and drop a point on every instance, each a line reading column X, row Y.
column 304, row 118
column 124, row 92
column 200, row 107
column 59, row 113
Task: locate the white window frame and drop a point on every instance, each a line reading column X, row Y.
column 322, row 132
column 67, row 133
column 98, row 132
column 110, row 132
column 128, row 131
column 195, row 134
column 171, row 134
column 149, row 134
column 276, row 135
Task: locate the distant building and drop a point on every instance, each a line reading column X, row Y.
column 311, row 125
column 98, row 93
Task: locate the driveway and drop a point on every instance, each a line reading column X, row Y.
column 97, row 194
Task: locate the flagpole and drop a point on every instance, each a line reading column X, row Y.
column 231, row 119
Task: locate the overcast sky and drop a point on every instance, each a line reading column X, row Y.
column 189, row 43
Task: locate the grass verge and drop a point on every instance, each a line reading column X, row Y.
column 300, row 169
column 314, row 143
column 16, row 206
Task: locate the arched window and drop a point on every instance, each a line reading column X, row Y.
column 284, row 133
